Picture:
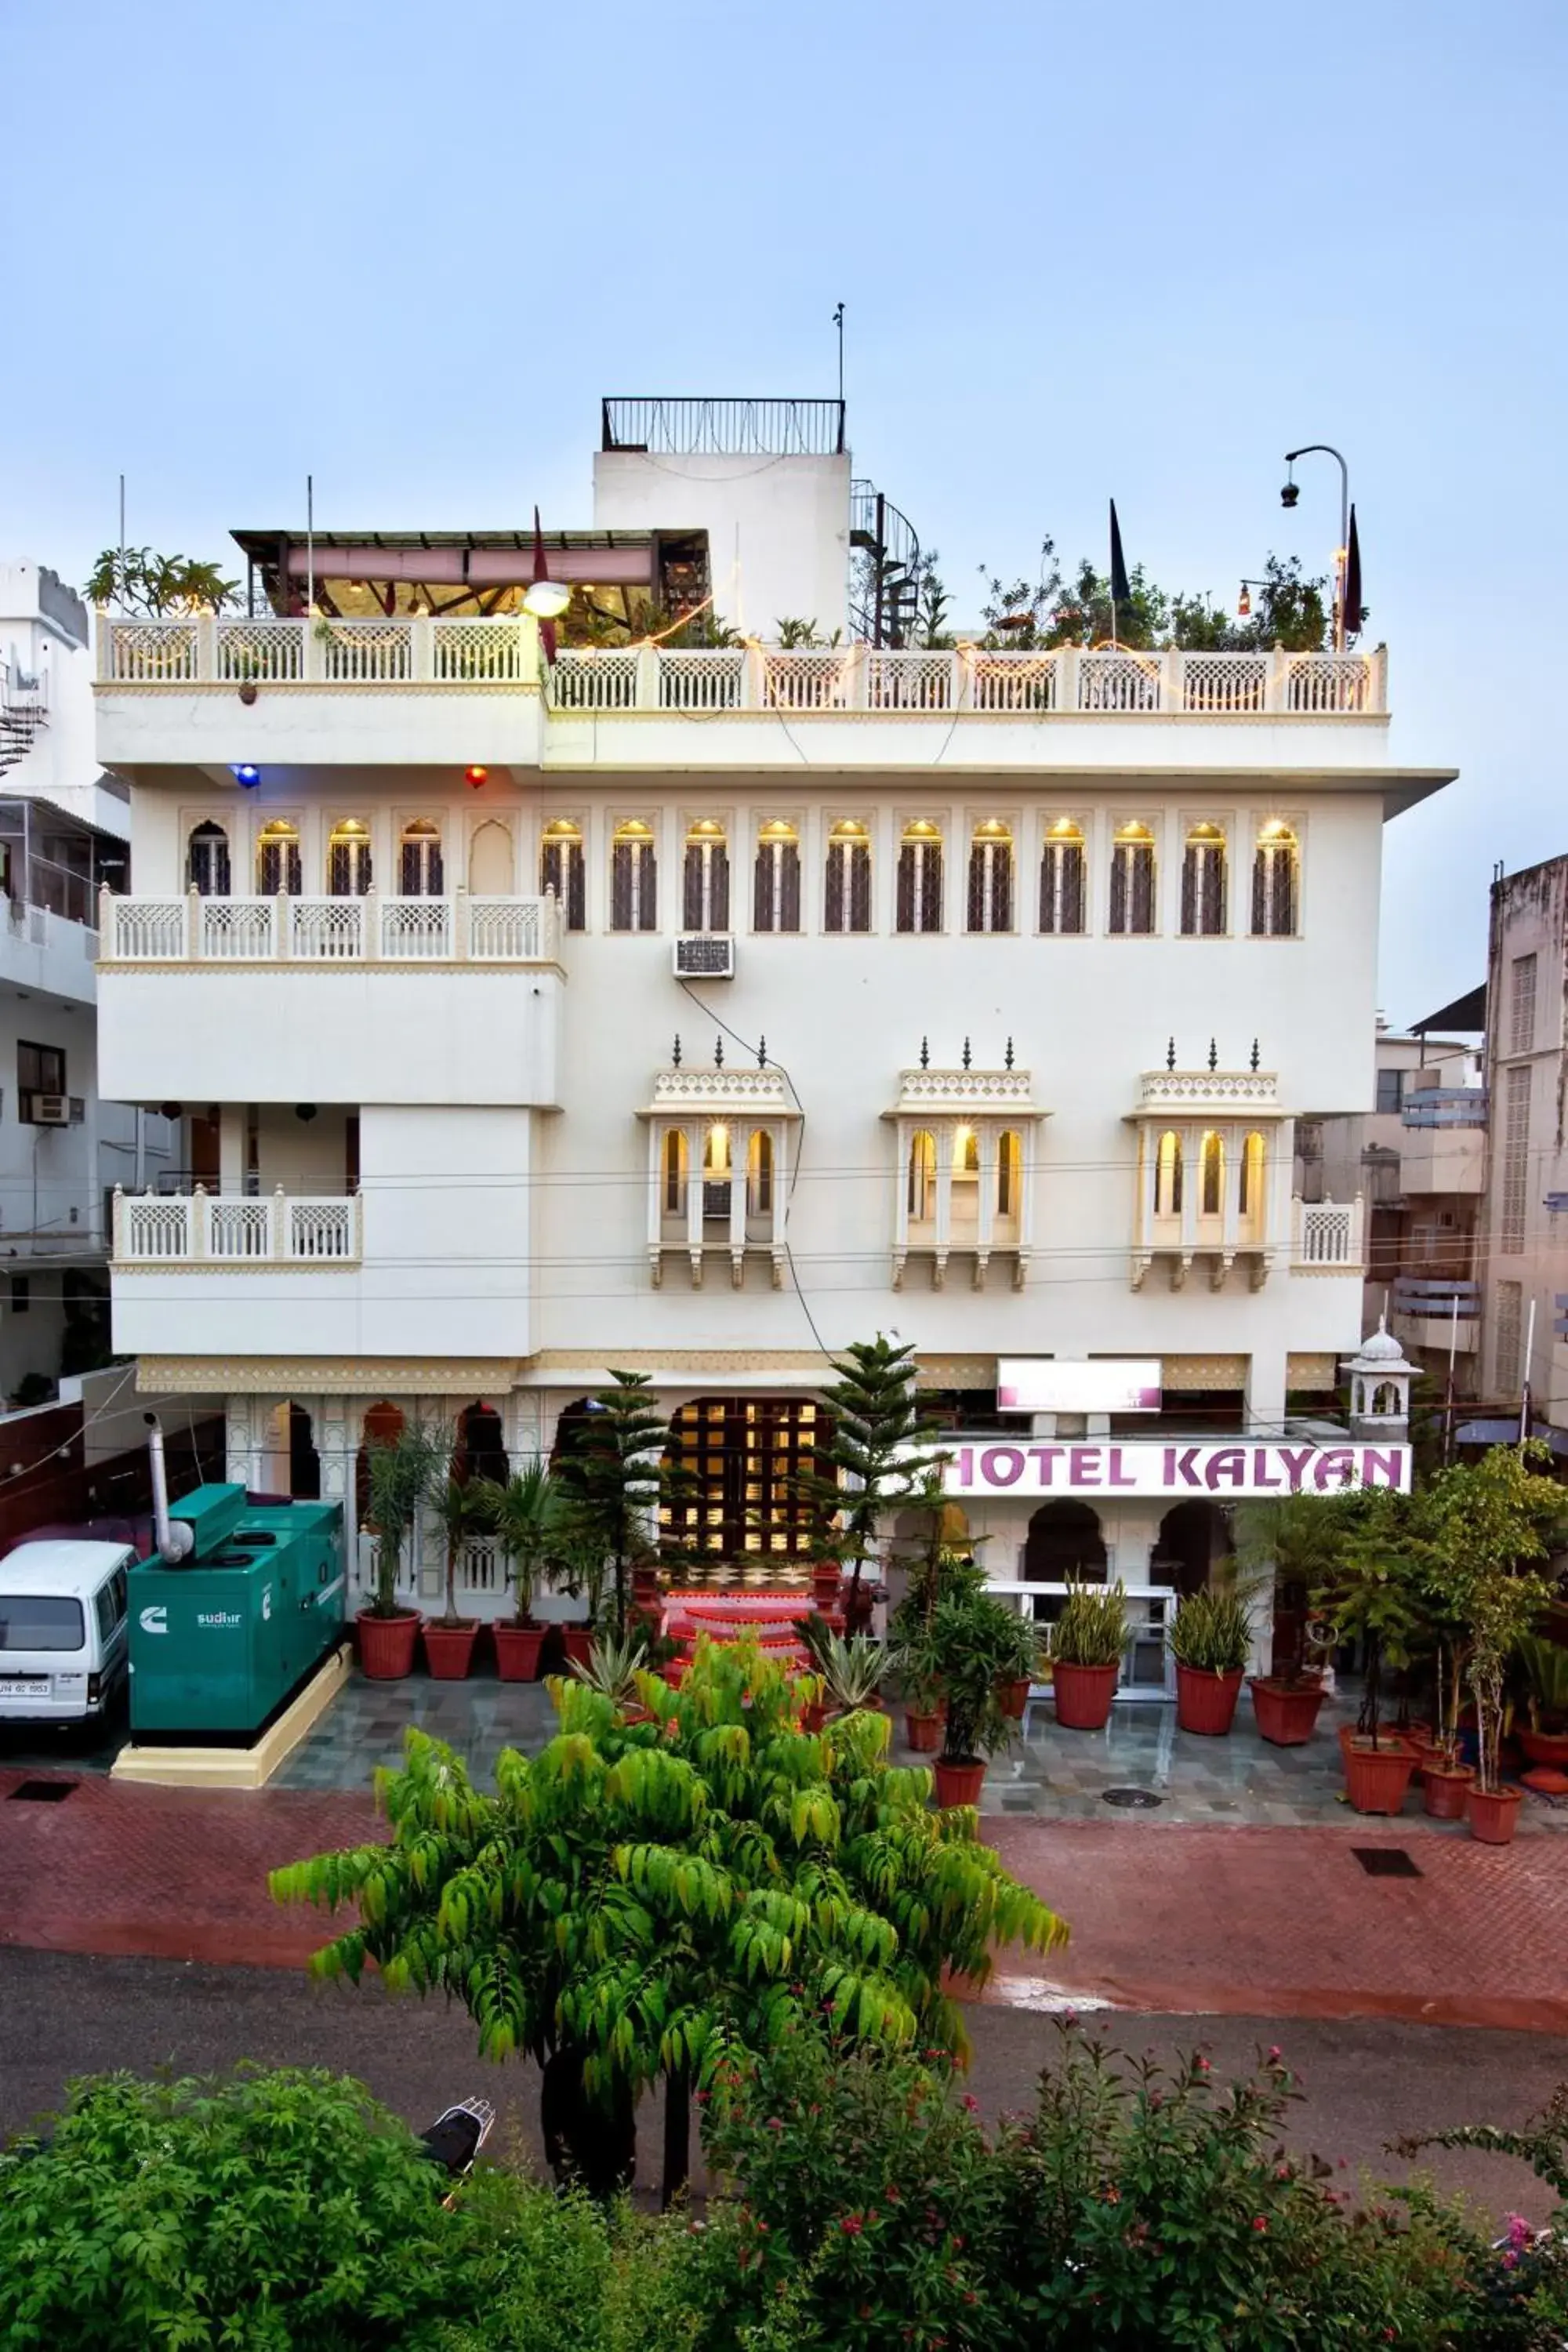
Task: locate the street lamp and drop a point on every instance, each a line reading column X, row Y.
column 1244, row 601
column 1288, row 497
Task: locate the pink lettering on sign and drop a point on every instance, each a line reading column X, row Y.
column 993, row 1457
column 1336, row 1468
column 1042, row 1456
column 1083, row 1465
column 1226, row 1468
column 1117, row 1477
column 1296, row 1458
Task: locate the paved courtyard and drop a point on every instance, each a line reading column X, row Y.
column 1059, row 1775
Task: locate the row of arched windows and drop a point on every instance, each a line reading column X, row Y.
column 718, row 1171
column 1171, row 1175
column 964, row 1174
column 990, row 902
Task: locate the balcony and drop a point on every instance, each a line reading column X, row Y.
column 1435, row 1313
column 1443, row 1148
column 965, row 1174
column 203, row 1229
column 302, row 997
column 411, row 689
column 1213, row 1180
column 717, row 1181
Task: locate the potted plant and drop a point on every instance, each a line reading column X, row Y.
column 1210, row 1637
column 1016, row 1653
column 526, row 1514
column 966, row 1636
column 851, row 1669
column 1087, row 1642
column 925, row 1702
column 1545, row 1739
column 1373, row 1600
column 612, row 1667
column 1295, row 1543
column 402, row 1472
column 1504, row 1607
column 449, row 1639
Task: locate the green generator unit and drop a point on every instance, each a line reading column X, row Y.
column 241, row 1602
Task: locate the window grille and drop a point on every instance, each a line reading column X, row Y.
column 1274, row 885
column 278, row 862
column 206, row 861
column 1133, row 885
column 706, row 895
column 562, row 868
column 634, row 884
column 1061, row 886
column 775, row 888
column 1522, row 1006
column 1168, row 1175
column 349, row 871
column 1203, row 885
column 1515, row 1161
column 990, row 904
column 1213, row 1169
column 920, row 882
column 847, row 901
column 421, row 874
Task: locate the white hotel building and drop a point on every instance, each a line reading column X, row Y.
column 689, row 1011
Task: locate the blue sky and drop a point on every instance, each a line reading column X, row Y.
column 407, row 248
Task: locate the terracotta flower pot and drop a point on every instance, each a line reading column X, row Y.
column 1013, row 1697
column 1444, row 1790
column 386, row 1644
column 1377, row 1778
column 1494, row 1815
column 1083, row 1695
column 577, row 1641
column 923, row 1731
column 957, row 1784
column 1544, row 1747
column 827, row 1584
column 815, row 1716
column 1286, row 1712
column 450, row 1649
column 1206, row 1702
column 517, row 1652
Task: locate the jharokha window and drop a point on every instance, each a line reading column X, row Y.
column 561, row 869
column 990, row 907
column 1062, row 879
column 633, row 878
column 1132, row 882
column 846, row 898
column 348, row 859
column 919, row 878
column 705, row 881
column 206, row 861
column 1203, row 884
column 1275, row 883
column 775, row 888
column 1168, row 1175
column 278, row 858
column 421, row 874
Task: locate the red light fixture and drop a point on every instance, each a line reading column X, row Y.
column 476, row 776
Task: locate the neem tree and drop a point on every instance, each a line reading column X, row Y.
column 647, row 1901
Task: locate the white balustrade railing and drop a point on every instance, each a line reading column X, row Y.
column 371, row 929
column 202, row 1228
column 1115, row 681
column 1326, row 1232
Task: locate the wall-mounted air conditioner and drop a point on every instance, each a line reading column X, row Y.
column 52, row 1110
column 705, row 955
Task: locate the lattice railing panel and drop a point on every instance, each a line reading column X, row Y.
column 238, row 930
column 147, row 930
column 701, row 680
column 152, row 653
column 1012, row 681
column 1328, row 1230
column 1233, row 682
column 1329, row 682
column 1119, row 681
column 415, row 928
column 510, row 930
column 239, row 1228
column 797, row 680
column 155, row 1227
column 596, row 681
column 326, row 930
column 366, row 653
column 320, row 1229
column 269, row 653
column 909, row 681
column 480, row 652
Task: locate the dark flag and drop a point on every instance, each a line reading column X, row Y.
column 1352, row 580
column 540, row 571
column 1120, row 588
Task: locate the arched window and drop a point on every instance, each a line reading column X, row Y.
column 382, row 1426
column 965, row 1152
column 491, row 871
column 1203, row 884
column 991, row 877
column 1009, row 1173
column 1133, row 881
column 919, row 878
column 563, row 870
column 846, row 896
column 1253, row 1157
column 760, row 1174
column 421, row 875
column 348, row 859
column 1062, row 896
column 675, row 1173
column 775, row 883
column 207, row 860
column 1276, row 877
column 633, row 878
column 923, row 1176
column 278, row 858
column 1168, row 1175
column 705, row 899
column 1211, row 1196
column 716, row 1170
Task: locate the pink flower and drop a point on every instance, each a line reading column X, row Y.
column 774, row 2124
column 971, row 2104
column 851, row 2225
column 1259, row 2225
column 1274, row 2054
column 1202, row 2066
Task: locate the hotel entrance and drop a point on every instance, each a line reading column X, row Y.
column 743, row 1521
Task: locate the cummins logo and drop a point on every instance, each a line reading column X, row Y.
column 219, row 1617
column 154, row 1620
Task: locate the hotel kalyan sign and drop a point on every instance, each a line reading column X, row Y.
column 981, row 1465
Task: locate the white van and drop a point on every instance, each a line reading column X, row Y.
column 63, row 1636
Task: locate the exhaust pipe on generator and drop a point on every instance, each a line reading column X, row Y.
column 174, row 1542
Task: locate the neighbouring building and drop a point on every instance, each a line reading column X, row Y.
column 1523, row 1237
column 64, row 833
column 535, row 1008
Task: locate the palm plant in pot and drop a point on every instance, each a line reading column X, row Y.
column 449, row 1639
column 1373, row 1600
column 966, row 1637
column 1503, row 1610
column 1087, row 1644
column 402, row 1471
column 1016, row 1656
column 1210, row 1638
column 527, row 1515
column 925, row 1702
column 1545, row 1663
column 1296, row 1543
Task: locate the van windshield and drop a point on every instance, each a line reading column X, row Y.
column 44, row 1620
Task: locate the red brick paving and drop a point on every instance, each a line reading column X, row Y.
column 1224, row 1919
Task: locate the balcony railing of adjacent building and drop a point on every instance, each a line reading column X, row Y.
column 1326, row 1233
column 459, row 928
column 793, row 680
column 700, row 428
column 1437, row 1313
column 1446, row 1106
column 226, row 1230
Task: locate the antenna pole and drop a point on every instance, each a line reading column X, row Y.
column 310, row 543
column 838, row 322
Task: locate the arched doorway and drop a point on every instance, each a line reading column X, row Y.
column 1193, row 1536
column 1064, row 1545
column 304, row 1462
column 382, row 1426
column 742, row 1516
column 479, row 1451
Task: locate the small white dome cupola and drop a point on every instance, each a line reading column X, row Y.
column 1380, row 1386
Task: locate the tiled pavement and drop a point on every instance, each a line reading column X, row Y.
column 1056, row 1775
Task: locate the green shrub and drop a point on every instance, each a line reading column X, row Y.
column 1092, row 1628
column 1210, row 1632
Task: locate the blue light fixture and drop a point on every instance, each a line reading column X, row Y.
column 248, row 776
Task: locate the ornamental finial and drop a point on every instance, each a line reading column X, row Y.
column 966, row 1055
column 676, row 1055
column 717, row 1053
column 1254, row 1054
column 761, row 1053
column 1007, row 1056
column 1214, row 1054
column 1169, row 1053
column 925, row 1053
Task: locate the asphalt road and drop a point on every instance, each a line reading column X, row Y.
column 1366, row 2082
